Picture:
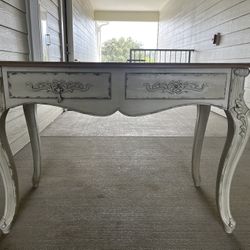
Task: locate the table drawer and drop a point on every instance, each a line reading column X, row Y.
column 175, row 85
column 38, row 85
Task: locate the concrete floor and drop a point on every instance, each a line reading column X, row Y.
column 125, row 183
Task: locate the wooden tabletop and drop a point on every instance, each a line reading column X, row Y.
column 122, row 65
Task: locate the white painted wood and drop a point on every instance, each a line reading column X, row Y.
column 238, row 116
column 55, row 2
column 55, row 52
column 62, row 35
column 17, row 128
column 9, row 177
column 192, row 24
column 218, row 111
column 128, row 5
column 34, row 30
column 55, row 37
column 12, row 17
column 30, row 112
column 49, row 84
column 84, row 32
column 13, row 46
column 13, row 56
column 175, row 86
column 70, row 32
column 199, row 133
column 14, row 114
column 51, row 7
column 19, row 4
column 131, row 16
column 37, row 86
column 13, row 31
column 63, row 86
column 19, row 139
column 53, row 23
column 20, row 41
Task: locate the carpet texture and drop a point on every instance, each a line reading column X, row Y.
column 126, row 193
column 174, row 122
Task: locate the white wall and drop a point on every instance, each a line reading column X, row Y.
column 54, row 28
column 191, row 24
column 13, row 31
column 14, row 47
column 84, row 31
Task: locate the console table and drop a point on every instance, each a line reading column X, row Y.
column 132, row 89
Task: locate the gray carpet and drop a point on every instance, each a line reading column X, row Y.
column 174, row 122
column 126, row 193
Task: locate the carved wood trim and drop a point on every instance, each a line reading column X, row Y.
column 59, row 87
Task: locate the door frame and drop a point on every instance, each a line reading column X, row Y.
column 68, row 29
column 35, row 31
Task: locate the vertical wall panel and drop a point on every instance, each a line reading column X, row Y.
column 84, row 31
column 13, row 31
column 54, row 28
column 192, row 25
column 14, row 47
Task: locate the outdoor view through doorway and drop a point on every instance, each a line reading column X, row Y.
column 117, row 38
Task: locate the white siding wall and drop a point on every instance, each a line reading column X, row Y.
column 54, row 28
column 191, row 24
column 84, row 31
column 14, row 47
column 13, row 31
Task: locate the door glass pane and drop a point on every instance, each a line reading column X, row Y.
column 45, row 35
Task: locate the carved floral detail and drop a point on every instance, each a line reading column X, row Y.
column 59, row 87
column 241, row 110
column 241, row 72
column 175, row 87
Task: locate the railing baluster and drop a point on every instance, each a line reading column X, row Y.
column 160, row 55
column 189, row 57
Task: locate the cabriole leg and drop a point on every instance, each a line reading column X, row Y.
column 30, row 111
column 237, row 137
column 9, row 177
column 203, row 112
column 238, row 117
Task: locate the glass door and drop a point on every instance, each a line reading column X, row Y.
column 46, row 42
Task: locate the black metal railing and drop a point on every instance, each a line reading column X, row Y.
column 160, row 55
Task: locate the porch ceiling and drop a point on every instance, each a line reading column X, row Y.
column 128, row 5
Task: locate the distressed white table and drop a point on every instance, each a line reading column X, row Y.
column 132, row 89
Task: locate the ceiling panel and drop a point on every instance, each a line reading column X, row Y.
column 128, row 5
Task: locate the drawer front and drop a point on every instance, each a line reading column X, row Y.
column 59, row 86
column 175, row 86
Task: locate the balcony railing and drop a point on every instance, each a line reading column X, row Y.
column 160, row 55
